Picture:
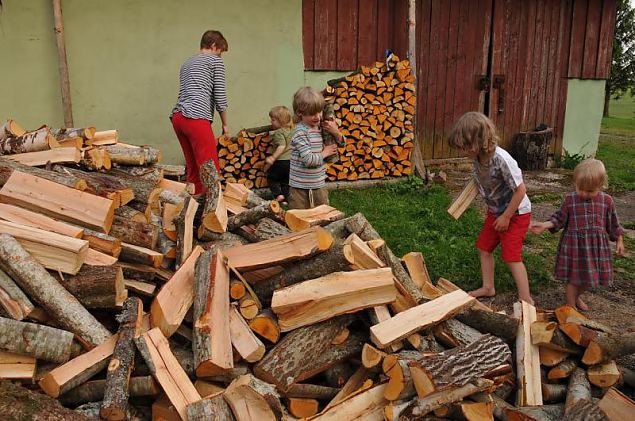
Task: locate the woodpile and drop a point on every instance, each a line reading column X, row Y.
column 234, row 309
column 375, row 110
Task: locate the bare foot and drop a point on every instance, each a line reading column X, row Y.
column 280, row 198
column 483, row 292
column 581, row 305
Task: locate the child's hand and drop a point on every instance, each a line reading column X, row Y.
column 270, row 160
column 619, row 247
column 538, row 228
column 226, row 131
column 330, row 126
column 502, row 223
column 329, row 150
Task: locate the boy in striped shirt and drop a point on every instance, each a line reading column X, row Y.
column 307, row 172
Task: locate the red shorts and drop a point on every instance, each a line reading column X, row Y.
column 511, row 240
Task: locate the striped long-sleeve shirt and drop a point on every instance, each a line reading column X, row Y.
column 202, row 87
column 307, row 169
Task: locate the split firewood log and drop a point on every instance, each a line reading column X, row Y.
column 608, row 346
column 7, row 167
column 35, row 281
column 93, row 391
column 97, row 286
column 212, row 407
column 14, row 302
column 37, row 140
column 214, row 216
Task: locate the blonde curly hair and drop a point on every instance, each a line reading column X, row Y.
column 474, row 132
column 590, row 175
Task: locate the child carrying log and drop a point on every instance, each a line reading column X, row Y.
column 277, row 164
column 500, row 182
column 589, row 221
column 307, row 170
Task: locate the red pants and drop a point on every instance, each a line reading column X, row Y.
column 511, row 240
column 199, row 146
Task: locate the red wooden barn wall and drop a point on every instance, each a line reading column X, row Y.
column 345, row 34
column 534, row 44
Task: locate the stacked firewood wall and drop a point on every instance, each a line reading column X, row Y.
column 375, row 109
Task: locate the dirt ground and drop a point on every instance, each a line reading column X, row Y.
column 614, row 306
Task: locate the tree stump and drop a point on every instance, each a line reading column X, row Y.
column 530, row 149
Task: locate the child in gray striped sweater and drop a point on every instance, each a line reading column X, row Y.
column 307, row 172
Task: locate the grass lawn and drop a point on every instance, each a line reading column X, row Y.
column 411, row 218
column 617, row 144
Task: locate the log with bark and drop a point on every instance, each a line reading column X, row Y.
column 212, row 342
column 97, row 286
column 39, row 341
column 35, row 281
column 34, row 141
column 100, row 184
column 136, row 233
column 93, row 391
column 115, row 403
column 253, row 399
column 7, row 167
column 214, row 216
column 52, row 156
column 252, row 216
column 212, row 407
column 19, row 403
column 305, row 352
column 607, row 346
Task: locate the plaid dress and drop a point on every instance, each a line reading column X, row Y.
column 584, row 253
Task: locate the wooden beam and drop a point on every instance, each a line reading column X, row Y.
column 320, row 299
column 53, row 251
column 58, row 201
column 76, row 371
column 527, row 357
column 175, row 297
column 414, row 319
column 165, row 368
column 616, row 405
column 54, row 156
column 284, row 249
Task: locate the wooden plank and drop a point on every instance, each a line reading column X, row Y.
column 54, row 156
column 545, row 52
column 592, row 39
column 243, row 339
column 605, row 45
column 367, row 32
column 563, row 89
column 286, row 248
column 414, row 319
column 78, row 370
column 53, row 251
column 553, row 76
column 576, row 48
column 338, row 293
column 16, row 366
column 446, row 286
column 527, row 358
column 347, row 35
column 325, row 52
column 167, row 371
column 617, row 406
column 500, row 45
column 483, row 39
column 22, row 216
column 424, row 9
column 58, row 201
column 527, row 65
column 535, row 65
column 308, row 33
column 400, row 28
column 464, row 80
column 464, row 199
column 175, row 297
column 384, row 28
column 442, row 65
column 450, row 76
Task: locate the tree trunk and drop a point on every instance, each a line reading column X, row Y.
column 210, row 408
column 268, row 228
column 304, row 353
column 44, row 289
column 93, row 391
column 459, row 366
column 19, row 403
column 14, row 302
column 124, row 155
column 39, row 341
column 97, row 286
column 115, row 402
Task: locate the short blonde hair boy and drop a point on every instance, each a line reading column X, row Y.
column 307, row 101
column 474, row 132
column 590, row 175
column 283, row 115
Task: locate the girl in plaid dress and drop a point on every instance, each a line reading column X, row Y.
column 589, row 221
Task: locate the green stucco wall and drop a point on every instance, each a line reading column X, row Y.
column 583, row 116
column 124, row 58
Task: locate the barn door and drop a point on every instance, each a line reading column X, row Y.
column 453, row 39
column 529, row 66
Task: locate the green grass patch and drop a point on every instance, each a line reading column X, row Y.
column 553, row 198
column 622, row 117
column 618, row 155
column 624, row 267
column 412, row 218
